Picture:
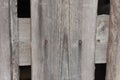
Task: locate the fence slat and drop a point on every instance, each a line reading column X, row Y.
column 75, row 40
column 63, row 39
column 37, row 54
column 113, row 57
column 5, row 56
column 88, row 23
column 14, row 40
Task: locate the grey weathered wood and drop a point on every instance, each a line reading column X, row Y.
column 88, row 23
column 24, row 41
column 5, row 55
column 74, row 40
column 113, row 56
column 63, row 39
column 14, row 40
column 37, row 52
column 101, row 38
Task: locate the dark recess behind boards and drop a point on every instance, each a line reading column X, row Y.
column 103, row 7
column 100, row 71
column 25, row 72
column 23, row 8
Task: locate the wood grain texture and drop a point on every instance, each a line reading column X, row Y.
column 63, row 39
column 101, row 38
column 24, row 41
column 14, row 40
column 113, row 57
column 5, row 55
column 88, row 21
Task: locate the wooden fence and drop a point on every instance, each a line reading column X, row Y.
column 63, row 40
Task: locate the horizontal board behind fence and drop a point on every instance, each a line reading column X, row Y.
column 101, row 38
column 24, row 41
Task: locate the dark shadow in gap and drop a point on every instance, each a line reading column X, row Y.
column 100, row 71
column 103, row 7
column 23, row 8
column 25, row 72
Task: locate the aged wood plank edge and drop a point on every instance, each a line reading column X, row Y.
column 113, row 55
column 14, row 40
column 35, row 49
column 89, row 15
column 5, row 54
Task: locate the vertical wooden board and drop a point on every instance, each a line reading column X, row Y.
column 24, row 41
column 75, row 40
column 46, row 40
column 50, row 40
column 101, row 38
column 56, row 42
column 113, row 56
column 5, row 55
column 88, row 24
column 14, row 40
column 37, row 52
column 56, row 39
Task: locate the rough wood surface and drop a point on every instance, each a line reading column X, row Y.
column 88, row 21
column 5, row 55
column 101, row 38
column 113, row 57
column 14, row 40
column 63, row 39
column 24, row 41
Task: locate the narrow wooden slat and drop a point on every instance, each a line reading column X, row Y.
column 63, row 39
column 24, row 41
column 88, row 23
column 14, row 40
column 37, row 54
column 113, row 56
column 46, row 36
column 101, row 38
column 5, row 55
column 75, row 40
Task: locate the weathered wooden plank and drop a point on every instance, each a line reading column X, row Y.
column 101, row 38
column 74, row 40
column 24, row 41
column 5, row 55
column 88, row 23
column 45, row 52
column 82, row 35
column 63, row 39
column 37, row 52
column 14, row 40
column 113, row 56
